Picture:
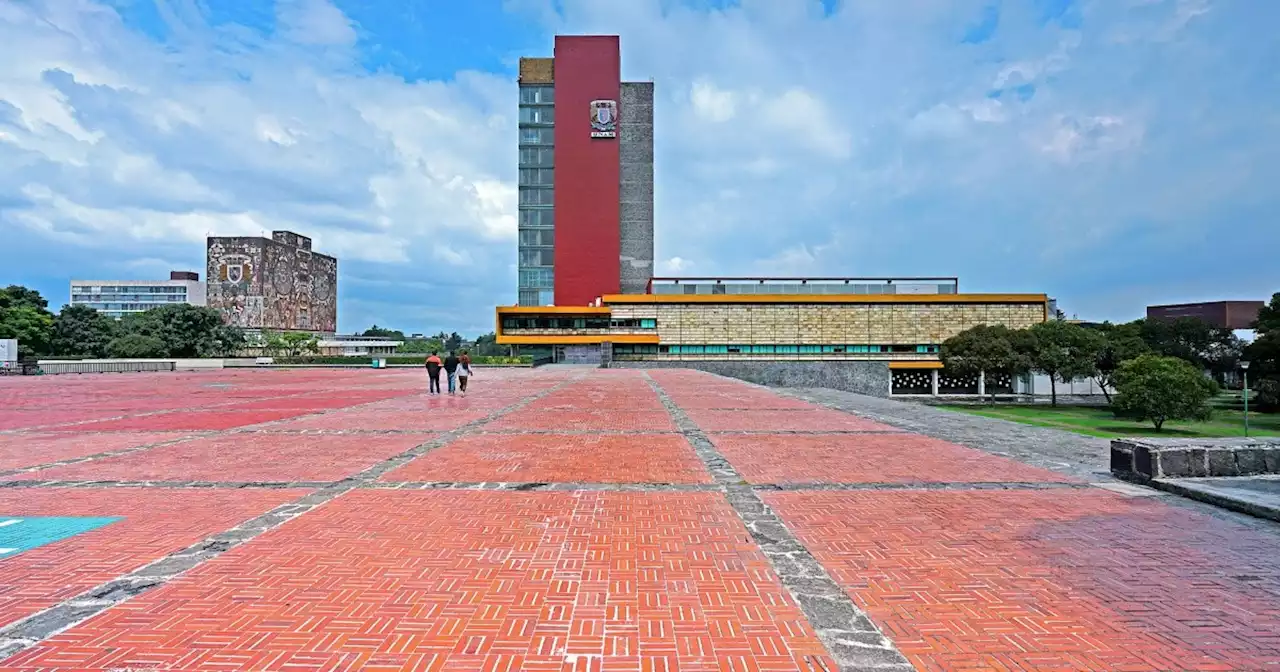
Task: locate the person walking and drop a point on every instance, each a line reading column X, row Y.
column 464, row 372
column 451, row 368
column 433, row 372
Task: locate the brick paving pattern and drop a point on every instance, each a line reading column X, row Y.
column 466, row 580
column 1060, row 580
column 867, row 458
column 32, row 449
column 264, row 457
column 682, row 570
column 586, row 421
column 798, row 420
column 156, row 522
column 559, row 458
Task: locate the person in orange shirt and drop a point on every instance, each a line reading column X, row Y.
column 433, row 372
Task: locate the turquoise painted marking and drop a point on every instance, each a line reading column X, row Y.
column 21, row 533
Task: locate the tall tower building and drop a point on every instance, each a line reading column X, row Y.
column 586, row 175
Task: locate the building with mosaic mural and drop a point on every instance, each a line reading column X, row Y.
column 273, row 284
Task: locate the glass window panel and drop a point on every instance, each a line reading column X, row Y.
column 537, row 136
column 530, row 177
column 537, row 115
column 537, row 197
column 537, row 157
column 532, row 95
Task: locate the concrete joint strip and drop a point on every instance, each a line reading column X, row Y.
column 850, row 637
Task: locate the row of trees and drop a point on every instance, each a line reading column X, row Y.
column 1158, row 368
column 1065, row 351
column 178, row 330
column 484, row 346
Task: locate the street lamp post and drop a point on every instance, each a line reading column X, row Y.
column 1244, row 366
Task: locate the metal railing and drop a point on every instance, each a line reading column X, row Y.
column 51, row 368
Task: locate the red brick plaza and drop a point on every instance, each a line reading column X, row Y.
column 579, row 520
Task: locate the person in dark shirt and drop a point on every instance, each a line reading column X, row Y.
column 433, row 372
column 451, row 368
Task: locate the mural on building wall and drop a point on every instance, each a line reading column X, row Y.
column 276, row 283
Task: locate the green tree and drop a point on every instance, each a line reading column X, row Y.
column 1210, row 348
column 1263, row 353
column 421, row 346
column 487, row 346
column 82, row 331
column 449, row 341
column 24, row 315
column 136, row 346
column 186, row 331
column 1269, row 316
column 296, row 343
column 381, row 332
column 1062, row 351
column 32, row 327
column 14, row 296
column 983, row 349
column 1158, row 389
column 1119, row 343
column 230, row 341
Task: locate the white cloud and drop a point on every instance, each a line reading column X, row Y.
column 315, row 22
column 111, row 140
column 673, row 266
column 870, row 141
column 712, row 104
column 1068, row 139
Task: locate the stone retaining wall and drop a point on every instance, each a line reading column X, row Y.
column 871, row 378
column 1194, row 458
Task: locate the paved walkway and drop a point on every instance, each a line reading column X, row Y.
column 586, row 520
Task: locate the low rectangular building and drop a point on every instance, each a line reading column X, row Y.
column 117, row 298
column 891, row 328
column 1223, row 314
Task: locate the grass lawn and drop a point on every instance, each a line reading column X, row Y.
column 1228, row 420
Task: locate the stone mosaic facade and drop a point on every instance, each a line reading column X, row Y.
column 826, row 324
column 275, row 283
column 635, row 150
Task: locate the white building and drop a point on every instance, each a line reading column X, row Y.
column 357, row 345
column 117, row 298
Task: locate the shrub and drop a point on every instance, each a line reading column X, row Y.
column 1266, row 394
column 136, row 346
column 1159, row 389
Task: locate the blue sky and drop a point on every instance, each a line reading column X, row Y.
column 1112, row 153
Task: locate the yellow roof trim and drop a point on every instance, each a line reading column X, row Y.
column 623, row 299
column 915, row 365
column 553, row 310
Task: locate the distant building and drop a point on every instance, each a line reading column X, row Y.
column 276, row 283
column 358, row 345
column 117, row 298
column 1226, row 314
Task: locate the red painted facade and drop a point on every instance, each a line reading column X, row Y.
column 587, row 179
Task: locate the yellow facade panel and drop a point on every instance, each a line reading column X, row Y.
column 537, row 70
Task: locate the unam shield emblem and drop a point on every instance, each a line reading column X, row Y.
column 604, row 116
